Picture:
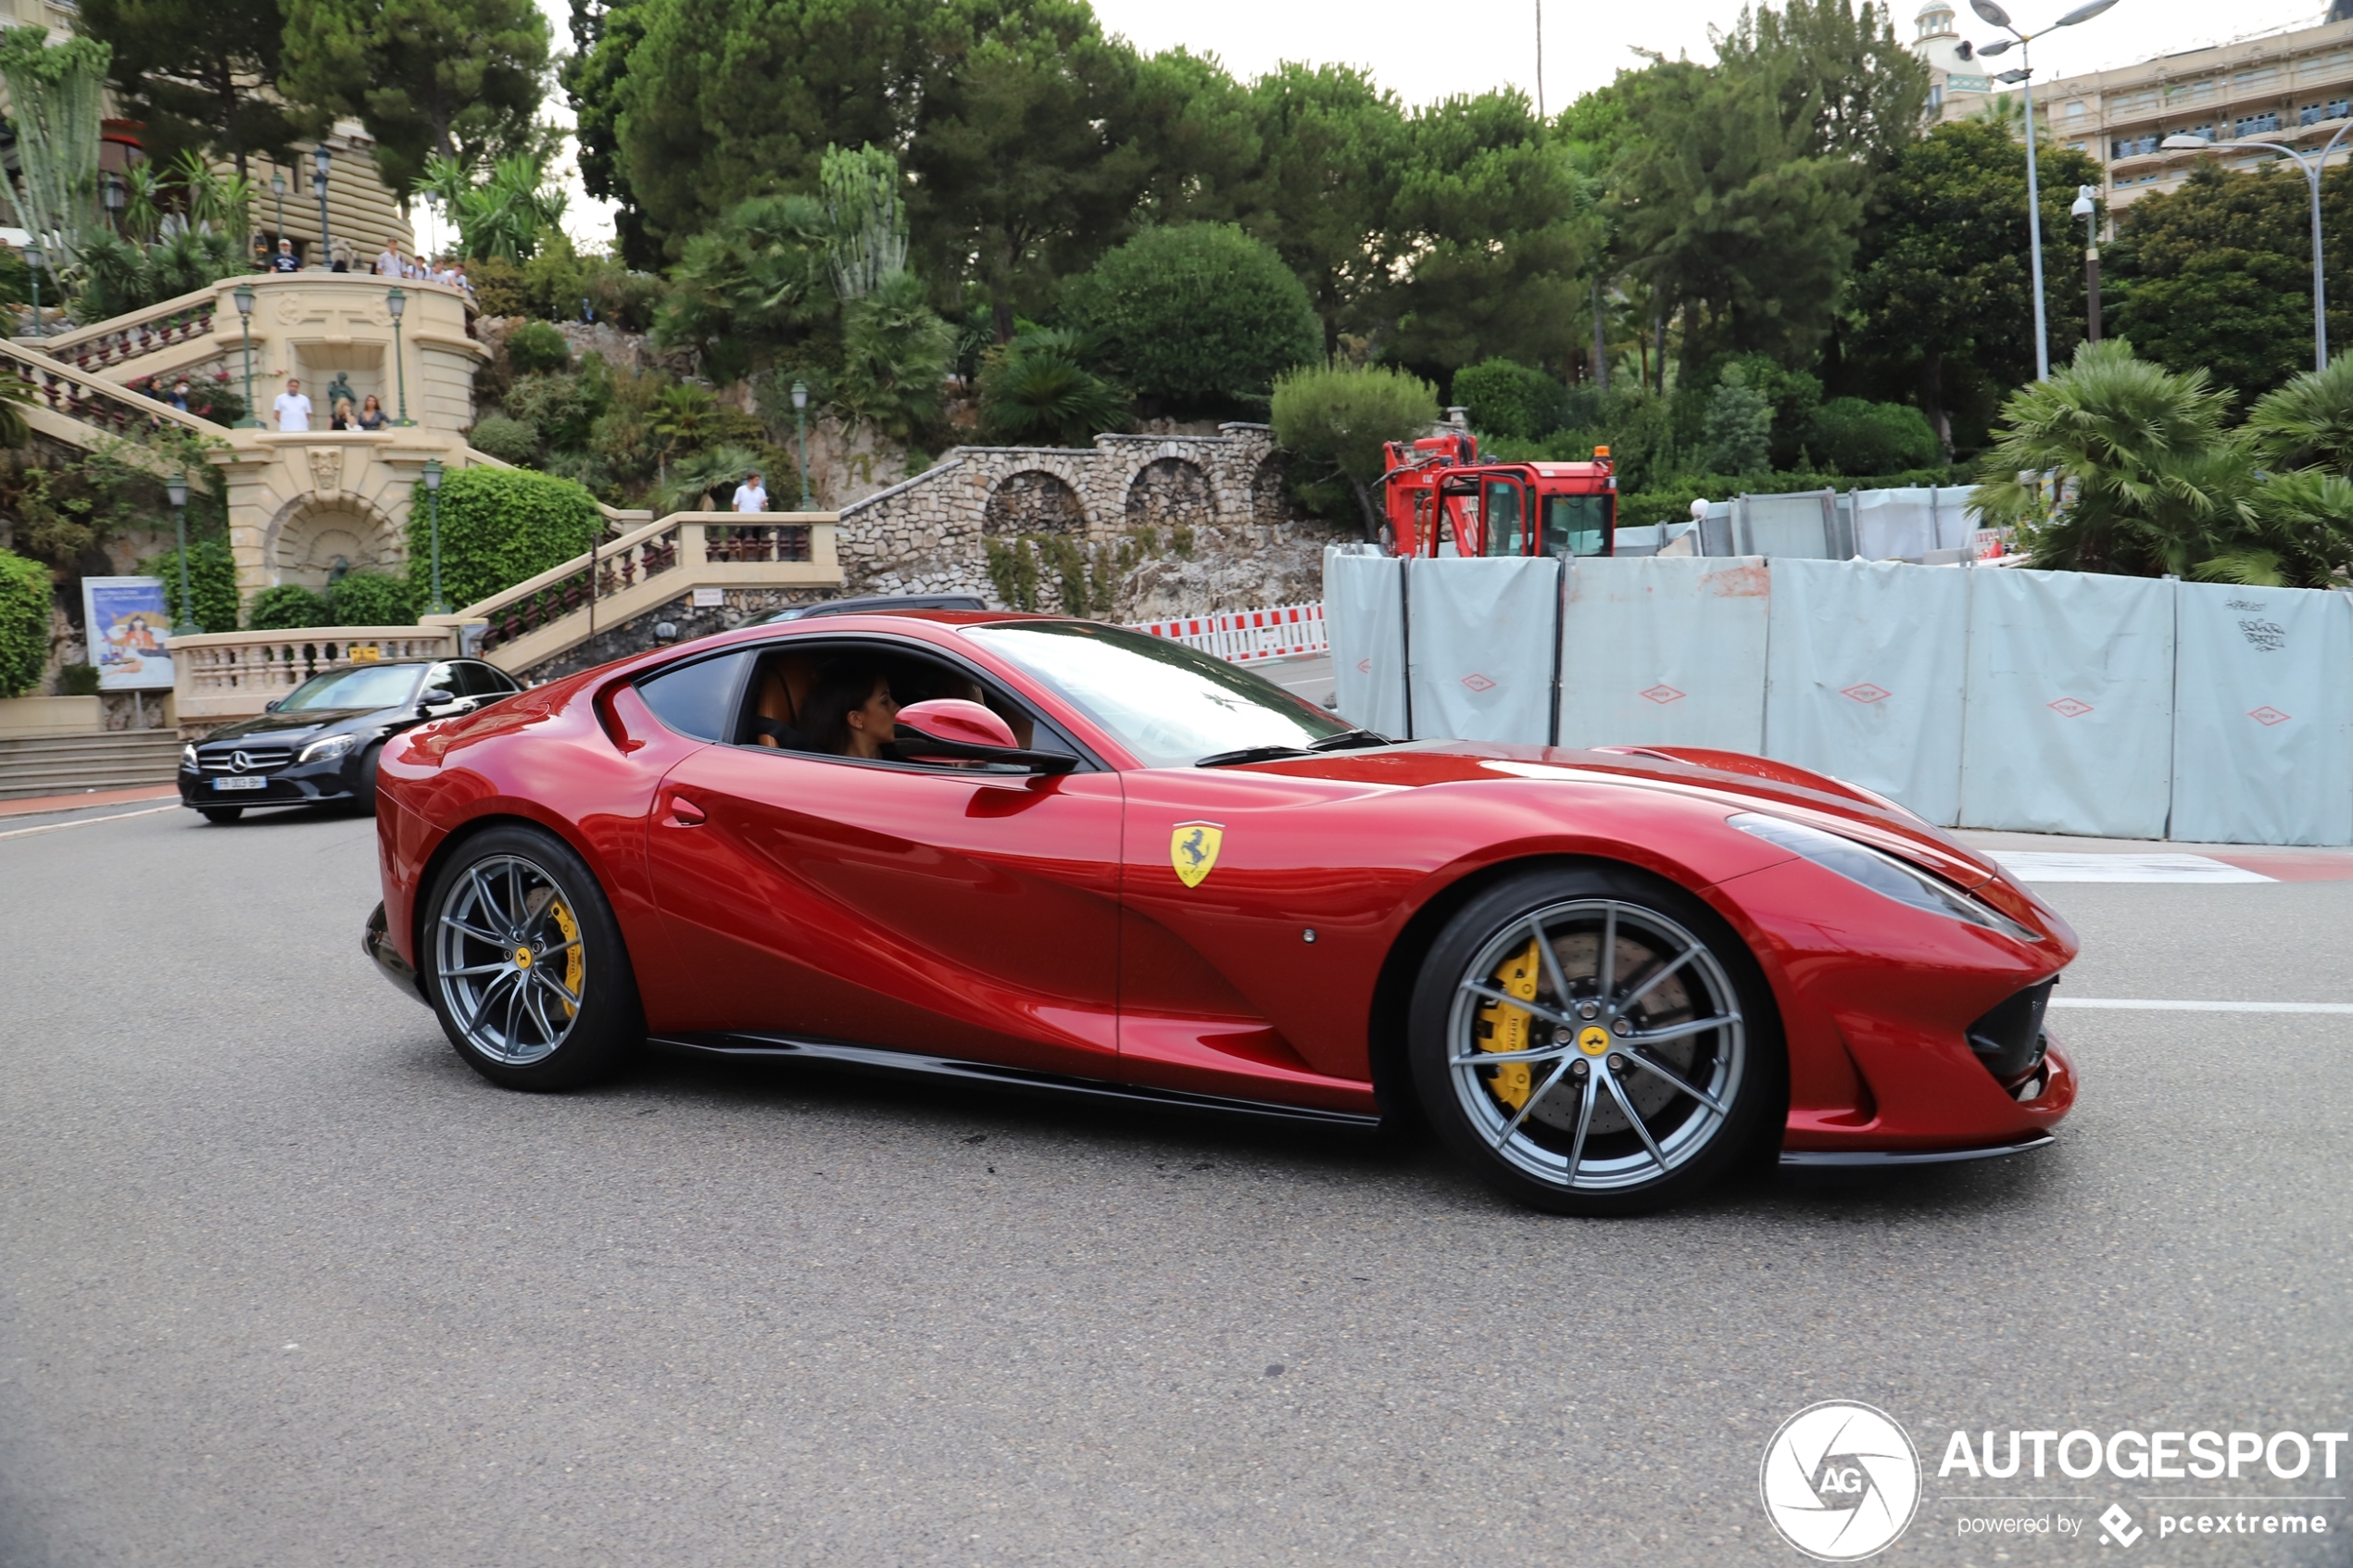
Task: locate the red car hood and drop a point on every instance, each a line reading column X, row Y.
column 1739, row 780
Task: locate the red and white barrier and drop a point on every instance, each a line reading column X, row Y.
column 1244, row 637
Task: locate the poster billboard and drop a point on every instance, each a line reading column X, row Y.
column 127, row 624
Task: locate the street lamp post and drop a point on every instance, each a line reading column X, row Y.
column 242, row 294
column 800, row 428
column 2310, row 163
column 34, row 260
column 278, row 185
column 433, row 500
column 321, row 158
column 111, row 193
column 2087, row 208
column 398, row 303
column 184, row 624
column 1995, row 16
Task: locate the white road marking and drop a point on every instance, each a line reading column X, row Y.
column 85, row 822
column 2139, row 1005
column 2051, row 865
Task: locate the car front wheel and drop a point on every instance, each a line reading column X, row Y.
column 525, row 964
column 1594, row 1041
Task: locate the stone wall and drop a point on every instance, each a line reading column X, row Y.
column 1166, row 524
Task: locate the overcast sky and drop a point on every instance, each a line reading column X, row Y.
column 1425, row 51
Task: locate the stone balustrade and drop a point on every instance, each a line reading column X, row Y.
column 106, row 345
column 225, row 676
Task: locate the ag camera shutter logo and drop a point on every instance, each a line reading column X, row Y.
column 1840, row 1481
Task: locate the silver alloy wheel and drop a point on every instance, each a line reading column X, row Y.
column 1596, row 1045
column 503, row 930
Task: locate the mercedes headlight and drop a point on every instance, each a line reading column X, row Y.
column 322, row 750
column 188, row 758
column 1882, row 872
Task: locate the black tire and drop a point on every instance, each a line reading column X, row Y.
column 515, row 887
column 363, row 795
column 1601, row 1089
column 220, row 815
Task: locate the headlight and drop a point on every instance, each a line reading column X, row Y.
column 320, row 750
column 1879, row 872
column 188, row 758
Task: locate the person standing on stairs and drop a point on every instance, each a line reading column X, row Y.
column 294, row 409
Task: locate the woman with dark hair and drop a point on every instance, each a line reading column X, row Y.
column 850, row 710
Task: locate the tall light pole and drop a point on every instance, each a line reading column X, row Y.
column 278, row 184
column 184, row 624
column 398, row 303
column 800, row 427
column 321, row 158
column 34, row 260
column 1995, row 16
column 242, row 294
column 433, row 500
column 111, row 193
column 2310, row 163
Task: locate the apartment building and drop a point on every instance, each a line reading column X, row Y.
column 2294, row 88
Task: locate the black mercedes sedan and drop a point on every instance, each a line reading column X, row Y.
column 321, row 741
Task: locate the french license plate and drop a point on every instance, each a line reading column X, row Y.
column 241, row 783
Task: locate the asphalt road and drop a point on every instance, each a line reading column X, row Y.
column 282, row 1282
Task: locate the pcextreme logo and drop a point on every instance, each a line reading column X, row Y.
column 1840, row 1480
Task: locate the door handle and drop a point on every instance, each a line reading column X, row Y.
column 685, row 813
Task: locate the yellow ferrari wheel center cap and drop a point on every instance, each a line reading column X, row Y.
column 522, row 958
column 1593, row 1040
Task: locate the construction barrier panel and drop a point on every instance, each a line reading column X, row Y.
column 1484, row 635
column 1364, row 611
column 1864, row 675
column 2069, row 724
column 2263, row 715
column 1247, row 636
column 1664, row 650
column 1905, row 525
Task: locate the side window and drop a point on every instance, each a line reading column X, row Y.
column 484, row 680
column 1506, row 521
column 695, row 699
column 439, row 675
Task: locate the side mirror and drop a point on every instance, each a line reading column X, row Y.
column 952, row 729
column 434, row 697
column 271, row 705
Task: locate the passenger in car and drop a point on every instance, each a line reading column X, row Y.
column 852, row 711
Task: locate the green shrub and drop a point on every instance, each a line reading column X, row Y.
column 1509, row 399
column 498, row 526
column 498, row 286
column 1851, row 435
column 24, row 623
column 1037, row 390
column 372, row 598
column 509, row 441
column 77, row 679
column 1333, row 420
column 535, row 345
column 1201, row 316
column 289, row 606
column 560, row 407
column 212, row 583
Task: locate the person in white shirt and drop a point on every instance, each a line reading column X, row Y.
column 388, row 264
column 294, row 409
column 751, row 495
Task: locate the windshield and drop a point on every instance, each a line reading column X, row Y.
column 363, row 686
column 1167, row 704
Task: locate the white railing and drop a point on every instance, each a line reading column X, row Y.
column 1244, row 637
column 232, row 674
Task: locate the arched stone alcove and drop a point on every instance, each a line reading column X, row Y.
column 1171, row 493
column 1033, row 501
column 308, row 543
column 1267, row 503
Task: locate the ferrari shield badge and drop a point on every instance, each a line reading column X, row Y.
column 1193, row 849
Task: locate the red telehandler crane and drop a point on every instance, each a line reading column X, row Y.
column 1439, row 499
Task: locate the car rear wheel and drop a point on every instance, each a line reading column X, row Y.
column 525, row 964
column 363, row 799
column 1594, row 1041
column 220, row 813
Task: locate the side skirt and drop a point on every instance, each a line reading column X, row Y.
column 774, row 1047
column 1853, row 1158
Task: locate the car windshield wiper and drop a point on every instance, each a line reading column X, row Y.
column 1249, row 754
column 1348, row 740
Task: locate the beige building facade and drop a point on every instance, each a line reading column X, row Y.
column 2294, row 88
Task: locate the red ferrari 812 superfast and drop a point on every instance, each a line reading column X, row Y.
column 1046, row 852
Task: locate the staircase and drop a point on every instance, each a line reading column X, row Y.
column 70, row 764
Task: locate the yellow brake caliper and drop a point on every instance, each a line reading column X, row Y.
column 1506, row 1028
column 576, row 960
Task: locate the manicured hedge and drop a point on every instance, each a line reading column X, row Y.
column 371, row 598
column 498, row 526
column 212, row 583
column 1199, row 316
column 290, row 607
column 24, row 623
